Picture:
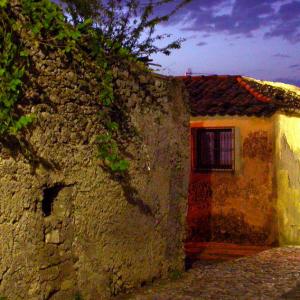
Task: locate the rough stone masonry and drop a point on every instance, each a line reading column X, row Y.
column 66, row 225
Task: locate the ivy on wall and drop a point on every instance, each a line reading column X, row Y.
column 13, row 61
column 46, row 25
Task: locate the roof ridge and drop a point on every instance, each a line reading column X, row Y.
column 206, row 76
column 257, row 95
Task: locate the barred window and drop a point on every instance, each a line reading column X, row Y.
column 213, row 148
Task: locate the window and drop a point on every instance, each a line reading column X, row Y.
column 213, row 148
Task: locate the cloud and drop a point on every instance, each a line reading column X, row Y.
column 295, row 66
column 241, row 16
column 191, row 37
column 277, row 18
column 287, row 22
column 292, row 81
column 281, row 55
column 200, row 44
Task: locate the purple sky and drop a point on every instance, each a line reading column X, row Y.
column 257, row 38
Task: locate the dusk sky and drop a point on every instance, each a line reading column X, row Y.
column 257, row 38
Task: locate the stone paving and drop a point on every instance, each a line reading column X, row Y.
column 271, row 274
column 293, row 294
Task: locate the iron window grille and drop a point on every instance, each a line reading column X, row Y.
column 213, row 149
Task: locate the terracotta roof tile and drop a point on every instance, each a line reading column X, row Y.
column 236, row 95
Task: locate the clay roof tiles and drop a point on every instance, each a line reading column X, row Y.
column 236, row 95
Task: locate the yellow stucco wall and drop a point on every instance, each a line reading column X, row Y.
column 288, row 178
column 242, row 202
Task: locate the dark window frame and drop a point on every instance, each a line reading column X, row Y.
column 197, row 166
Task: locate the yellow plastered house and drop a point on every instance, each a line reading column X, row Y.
column 245, row 161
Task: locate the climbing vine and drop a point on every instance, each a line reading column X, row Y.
column 13, row 61
column 47, row 26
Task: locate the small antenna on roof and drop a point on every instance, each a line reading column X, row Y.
column 189, row 72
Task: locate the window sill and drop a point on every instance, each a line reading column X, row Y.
column 212, row 170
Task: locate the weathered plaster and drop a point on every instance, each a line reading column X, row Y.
column 288, row 178
column 103, row 235
column 237, row 206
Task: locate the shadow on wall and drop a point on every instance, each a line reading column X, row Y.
column 208, row 224
column 225, row 206
column 199, row 217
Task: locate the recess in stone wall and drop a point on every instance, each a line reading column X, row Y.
column 49, row 195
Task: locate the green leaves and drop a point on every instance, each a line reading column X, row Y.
column 123, row 52
column 112, row 126
column 120, row 166
column 21, row 123
column 3, row 3
column 15, row 84
column 108, row 151
column 68, row 34
column 117, row 165
column 13, row 61
column 87, row 23
column 106, row 96
column 47, row 26
column 24, row 53
column 129, row 24
column 45, row 20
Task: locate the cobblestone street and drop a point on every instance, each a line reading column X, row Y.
column 271, row 274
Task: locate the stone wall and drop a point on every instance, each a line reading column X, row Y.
column 237, row 206
column 288, row 178
column 67, row 225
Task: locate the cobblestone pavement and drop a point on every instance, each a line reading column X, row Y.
column 271, row 274
column 293, row 294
